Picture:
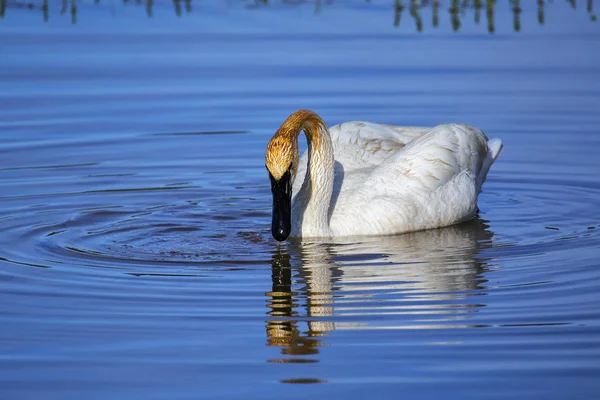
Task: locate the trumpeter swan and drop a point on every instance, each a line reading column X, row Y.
column 362, row 178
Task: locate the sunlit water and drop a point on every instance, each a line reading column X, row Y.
column 135, row 255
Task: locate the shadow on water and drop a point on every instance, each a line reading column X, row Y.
column 426, row 280
column 457, row 10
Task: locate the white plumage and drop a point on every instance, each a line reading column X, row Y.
column 389, row 179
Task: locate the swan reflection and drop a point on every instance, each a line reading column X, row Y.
column 423, row 280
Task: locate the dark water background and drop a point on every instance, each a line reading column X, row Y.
column 135, row 256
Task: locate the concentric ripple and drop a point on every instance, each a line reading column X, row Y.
column 184, row 229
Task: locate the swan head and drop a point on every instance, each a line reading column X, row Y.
column 281, row 163
column 281, row 160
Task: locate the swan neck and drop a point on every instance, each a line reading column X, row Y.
column 314, row 197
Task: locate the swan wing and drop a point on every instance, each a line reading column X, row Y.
column 436, row 157
column 430, row 182
column 360, row 144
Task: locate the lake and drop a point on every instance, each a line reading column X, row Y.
column 136, row 259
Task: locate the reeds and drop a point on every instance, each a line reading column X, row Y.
column 457, row 10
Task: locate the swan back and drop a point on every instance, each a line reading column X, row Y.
column 359, row 144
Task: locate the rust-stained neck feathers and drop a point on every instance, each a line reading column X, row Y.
column 282, row 151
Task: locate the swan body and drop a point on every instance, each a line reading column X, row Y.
column 361, row 178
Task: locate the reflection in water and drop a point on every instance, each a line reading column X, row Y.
column 456, row 9
column 176, row 4
column 421, row 280
column 459, row 9
column 283, row 303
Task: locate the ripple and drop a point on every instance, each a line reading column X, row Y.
column 433, row 280
column 303, row 381
column 201, row 133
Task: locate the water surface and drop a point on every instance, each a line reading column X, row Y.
column 135, row 253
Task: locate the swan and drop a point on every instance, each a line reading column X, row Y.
column 363, row 179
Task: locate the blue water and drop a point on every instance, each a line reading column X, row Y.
column 136, row 259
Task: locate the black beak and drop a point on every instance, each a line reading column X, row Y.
column 281, row 224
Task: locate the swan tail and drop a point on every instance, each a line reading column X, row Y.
column 494, row 149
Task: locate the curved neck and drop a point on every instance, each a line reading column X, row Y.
column 310, row 209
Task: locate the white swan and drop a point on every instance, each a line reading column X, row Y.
column 362, row 178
